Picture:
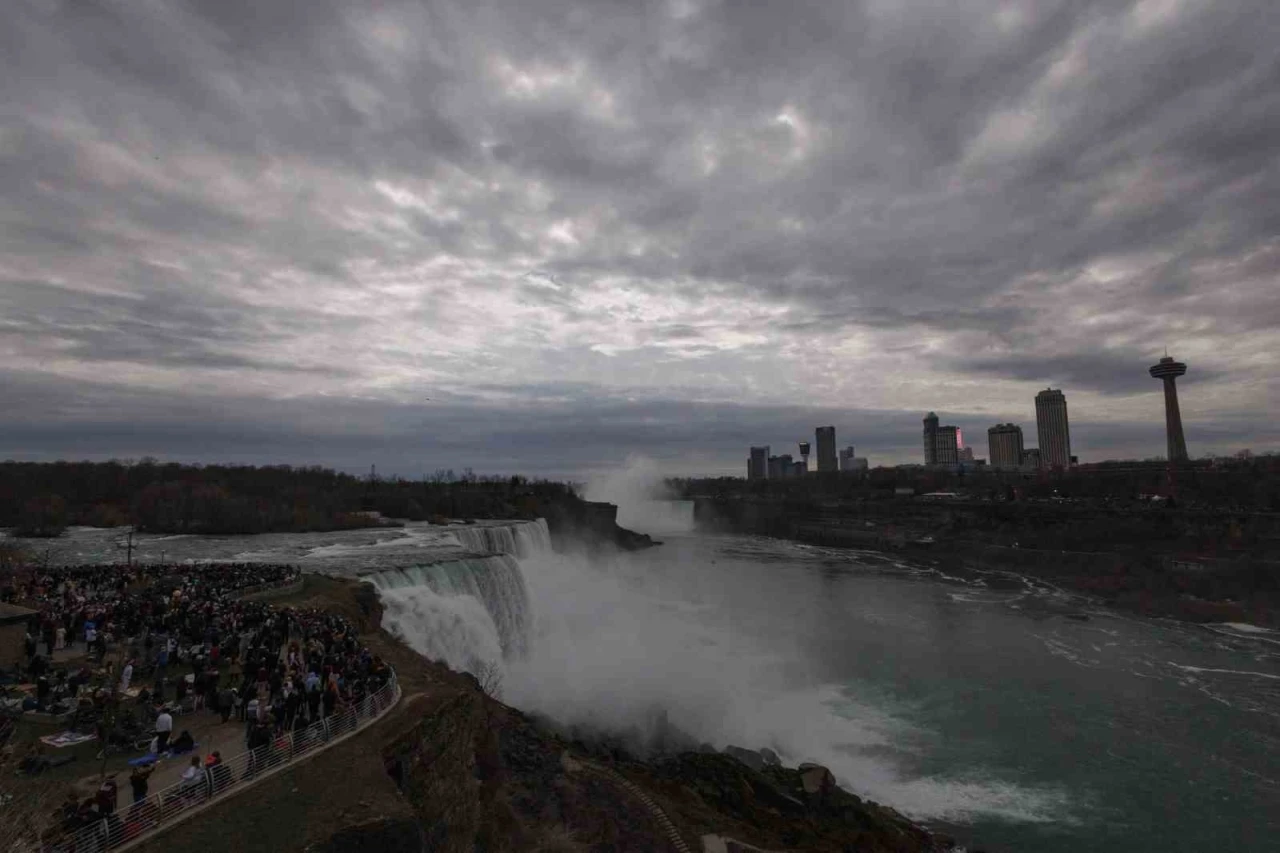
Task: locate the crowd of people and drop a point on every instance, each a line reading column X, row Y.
column 187, row 643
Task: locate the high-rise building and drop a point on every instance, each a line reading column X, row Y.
column 775, row 468
column 758, row 463
column 930, row 439
column 826, row 441
column 804, row 455
column 1053, row 429
column 1004, row 445
column 1031, row 457
column 1169, row 370
column 946, row 445
column 846, row 458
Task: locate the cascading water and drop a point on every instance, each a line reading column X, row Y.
column 468, row 612
column 521, row 540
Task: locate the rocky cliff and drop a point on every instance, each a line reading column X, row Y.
column 453, row 769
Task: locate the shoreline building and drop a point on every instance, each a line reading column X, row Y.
column 1004, row 446
column 758, row 463
column 1053, row 429
column 941, row 443
column 781, row 466
column 1169, row 370
column 930, row 439
column 946, row 445
column 826, row 441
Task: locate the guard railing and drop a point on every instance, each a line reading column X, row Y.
column 289, row 585
column 173, row 804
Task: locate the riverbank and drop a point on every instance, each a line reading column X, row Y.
column 1157, row 581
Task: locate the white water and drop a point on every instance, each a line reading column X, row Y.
column 608, row 644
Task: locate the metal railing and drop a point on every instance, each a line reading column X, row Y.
column 167, row 807
column 289, row 585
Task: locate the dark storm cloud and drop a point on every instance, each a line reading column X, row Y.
column 1106, row 372
column 555, row 431
column 714, row 209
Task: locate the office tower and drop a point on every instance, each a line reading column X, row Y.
column 1169, row 370
column 804, row 455
column 758, row 463
column 966, row 454
column 786, row 467
column 1053, row 429
column 799, row 469
column 826, row 441
column 846, row 459
column 930, row 439
column 946, row 445
column 1031, row 457
column 1004, row 445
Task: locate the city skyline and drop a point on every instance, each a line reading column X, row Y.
column 944, row 444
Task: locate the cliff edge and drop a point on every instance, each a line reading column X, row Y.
column 453, row 769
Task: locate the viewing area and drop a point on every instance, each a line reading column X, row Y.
column 144, row 693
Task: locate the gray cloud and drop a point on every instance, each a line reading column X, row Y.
column 718, row 210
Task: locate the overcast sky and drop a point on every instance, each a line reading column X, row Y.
column 543, row 235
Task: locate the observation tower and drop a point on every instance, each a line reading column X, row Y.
column 1169, row 370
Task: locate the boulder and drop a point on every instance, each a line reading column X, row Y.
column 816, row 779
column 770, row 757
column 749, row 757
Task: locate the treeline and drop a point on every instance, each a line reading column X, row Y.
column 43, row 499
column 1235, row 484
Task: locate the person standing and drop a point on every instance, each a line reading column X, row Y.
column 126, row 675
column 138, row 781
column 164, row 728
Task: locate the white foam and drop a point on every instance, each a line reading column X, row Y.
column 1246, row 672
column 610, row 645
column 1246, row 628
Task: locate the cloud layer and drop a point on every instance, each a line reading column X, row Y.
column 585, row 229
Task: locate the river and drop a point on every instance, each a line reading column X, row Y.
column 1016, row 717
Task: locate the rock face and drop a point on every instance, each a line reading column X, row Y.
column 592, row 522
column 816, row 780
column 749, row 757
column 385, row 835
column 452, row 770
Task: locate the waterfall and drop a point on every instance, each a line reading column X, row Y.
column 472, row 610
column 521, row 539
column 495, row 583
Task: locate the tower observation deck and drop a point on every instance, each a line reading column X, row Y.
column 1169, row 370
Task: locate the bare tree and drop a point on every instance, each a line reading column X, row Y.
column 489, row 674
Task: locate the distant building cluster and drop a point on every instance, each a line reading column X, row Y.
column 944, row 444
column 763, row 465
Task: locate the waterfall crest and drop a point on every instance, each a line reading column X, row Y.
column 475, row 607
column 520, row 539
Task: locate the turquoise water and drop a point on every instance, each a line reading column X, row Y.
column 1018, row 718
